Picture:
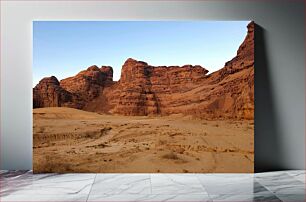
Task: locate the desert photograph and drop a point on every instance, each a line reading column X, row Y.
column 143, row 97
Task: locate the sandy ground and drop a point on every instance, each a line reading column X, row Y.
column 70, row 140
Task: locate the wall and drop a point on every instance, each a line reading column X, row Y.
column 279, row 64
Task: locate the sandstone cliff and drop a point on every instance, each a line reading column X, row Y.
column 160, row 90
column 88, row 83
column 49, row 93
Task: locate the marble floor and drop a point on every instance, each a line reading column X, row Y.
column 271, row 186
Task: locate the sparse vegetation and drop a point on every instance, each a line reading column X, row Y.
column 107, row 150
column 171, row 156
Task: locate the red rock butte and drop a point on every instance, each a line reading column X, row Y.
column 159, row 90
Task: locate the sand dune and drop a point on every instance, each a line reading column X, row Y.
column 71, row 140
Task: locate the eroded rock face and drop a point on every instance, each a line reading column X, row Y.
column 244, row 58
column 142, row 86
column 160, row 90
column 107, row 71
column 49, row 93
column 237, row 79
column 89, row 83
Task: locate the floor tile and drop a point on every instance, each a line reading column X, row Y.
column 272, row 175
column 42, row 198
column 245, row 198
column 14, row 175
column 115, row 197
column 47, row 184
column 121, row 184
column 266, row 197
column 287, row 186
column 149, row 198
column 298, row 175
column 176, row 184
column 15, row 180
column 282, row 183
column 178, row 198
column 292, row 197
column 216, row 184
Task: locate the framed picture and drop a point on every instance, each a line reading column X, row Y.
column 143, row 96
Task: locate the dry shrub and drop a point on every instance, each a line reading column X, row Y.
column 180, row 150
column 171, row 156
column 41, row 129
column 162, row 142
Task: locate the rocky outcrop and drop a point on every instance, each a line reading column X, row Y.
column 141, row 86
column 88, row 84
column 107, row 72
column 160, row 90
column 244, row 58
column 49, row 93
column 237, row 80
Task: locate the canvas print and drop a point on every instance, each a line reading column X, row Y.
column 143, row 96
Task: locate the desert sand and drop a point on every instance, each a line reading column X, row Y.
column 71, row 140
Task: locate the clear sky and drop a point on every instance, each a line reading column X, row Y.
column 63, row 48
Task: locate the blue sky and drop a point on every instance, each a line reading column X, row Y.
column 63, row 48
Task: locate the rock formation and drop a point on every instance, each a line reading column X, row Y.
column 49, row 93
column 142, row 86
column 160, row 90
column 88, row 83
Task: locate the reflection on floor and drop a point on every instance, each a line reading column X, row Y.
column 272, row 186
